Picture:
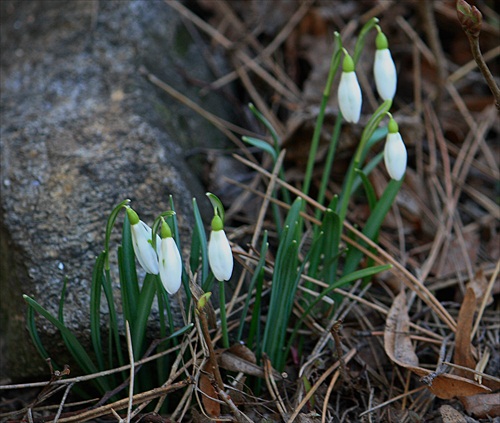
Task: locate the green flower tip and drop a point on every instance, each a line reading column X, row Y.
column 166, row 232
column 217, row 224
column 133, row 217
column 348, row 64
column 381, row 41
column 393, row 126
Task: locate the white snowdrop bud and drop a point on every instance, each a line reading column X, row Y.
column 349, row 94
column 395, row 155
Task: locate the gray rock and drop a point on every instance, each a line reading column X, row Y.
column 81, row 131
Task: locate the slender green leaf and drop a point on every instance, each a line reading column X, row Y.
column 75, row 348
column 199, row 229
column 330, row 157
column 334, row 65
column 95, row 308
column 285, row 279
column 267, row 124
column 181, row 331
column 114, row 330
column 174, row 225
column 332, row 229
column 262, row 145
column 369, row 190
column 367, row 134
column 144, row 305
column 258, row 272
column 35, row 337
column 315, row 256
column 128, row 273
column 373, row 223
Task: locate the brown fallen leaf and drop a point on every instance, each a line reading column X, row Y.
column 463, row 348
column 242, row 351
column 212, row 407
column 482, row 406
column 398, row 347
column 232, row 362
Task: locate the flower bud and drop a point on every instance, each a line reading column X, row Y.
column 142, row 243
column 349, row 94
column 384, row 69
column 169, row 260
column 395, row 155
column 470, row 18
column 220, row 256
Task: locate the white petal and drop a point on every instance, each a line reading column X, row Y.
column 349, row 97
column 395, row 156
column 170, row 265
column 144, row 251
column 384, row 71
column 220, row 256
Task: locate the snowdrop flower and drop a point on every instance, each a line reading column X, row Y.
column 395, row 152
column 142, row 242
column 384, row 69
column 169, row 259
column 220, row 256
column 349, row 94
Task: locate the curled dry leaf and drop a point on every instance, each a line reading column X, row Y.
column 235, row 363
column 464, row 350
column 400, row 350
column 209, row 396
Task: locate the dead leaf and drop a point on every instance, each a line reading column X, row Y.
column 242, row 351
column 450, row 415
column 212, row 407
column 463, row 348
column 482, row 406
column 398, row 347
column 480, row 285
column 397, row 342
column 232, row 362
column 447, row 386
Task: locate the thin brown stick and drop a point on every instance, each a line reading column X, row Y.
column 227, row 44
column 318, row 383
column 471, row 20
column 121, row 404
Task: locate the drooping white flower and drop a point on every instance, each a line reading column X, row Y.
column 142, row 242
column 220, row 256
column 395, row 155
column 384, row 69
column 349, row 94
column 169, row 259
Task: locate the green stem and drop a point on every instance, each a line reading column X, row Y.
column 335, row 61
column 329, row 158
column 223, row 319
column 366, row 135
